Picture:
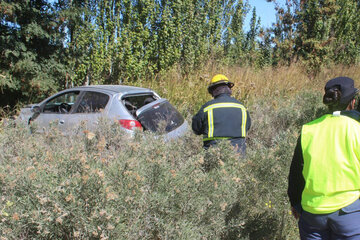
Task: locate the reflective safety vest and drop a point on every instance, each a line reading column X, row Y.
column 222, row 118
column 211, row 121
column 331, row 153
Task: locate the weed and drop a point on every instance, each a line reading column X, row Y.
column 107, row 185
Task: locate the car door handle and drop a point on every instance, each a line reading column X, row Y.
column 61, row 121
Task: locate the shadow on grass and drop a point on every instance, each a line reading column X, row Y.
column 241, row 226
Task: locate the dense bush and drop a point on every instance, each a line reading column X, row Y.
column 106, row 185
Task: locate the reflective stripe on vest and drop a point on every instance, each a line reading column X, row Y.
column 209, row 110
column 331, row 153
column 216, row 138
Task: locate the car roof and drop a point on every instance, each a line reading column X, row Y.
column 123, row 89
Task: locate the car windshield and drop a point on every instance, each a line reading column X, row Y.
column 160, row 117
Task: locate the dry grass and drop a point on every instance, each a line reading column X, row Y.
column 189, row 92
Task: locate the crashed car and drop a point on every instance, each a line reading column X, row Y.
column 131, row 107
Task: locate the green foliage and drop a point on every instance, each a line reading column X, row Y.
column 284, row 35
column 346, row 39
column 106, row 184
column 30, row 49
column 234, row 36
column 48, row 45
column 318, row 33
column 264, row 54
column 116, row 41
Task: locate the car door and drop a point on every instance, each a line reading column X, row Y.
column 90, row 107
column 57, row 111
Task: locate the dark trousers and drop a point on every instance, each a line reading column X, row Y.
column 342, row 224
column 239, row 144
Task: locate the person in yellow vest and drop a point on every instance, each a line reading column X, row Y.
column 223, row 117
column 324, row 177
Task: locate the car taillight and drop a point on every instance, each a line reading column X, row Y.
column 130, row 124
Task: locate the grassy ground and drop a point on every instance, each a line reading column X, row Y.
column 104, row 185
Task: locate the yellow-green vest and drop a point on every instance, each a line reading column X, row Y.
column 331, row 152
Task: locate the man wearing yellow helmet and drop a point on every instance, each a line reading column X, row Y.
column 223, row 117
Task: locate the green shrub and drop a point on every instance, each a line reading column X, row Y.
column 107, row 185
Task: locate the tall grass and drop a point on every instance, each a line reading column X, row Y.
column 189, row 92
column 106, row 185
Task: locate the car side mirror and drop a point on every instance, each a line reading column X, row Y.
column 35, row 109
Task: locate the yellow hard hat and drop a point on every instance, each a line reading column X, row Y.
column 219, row 79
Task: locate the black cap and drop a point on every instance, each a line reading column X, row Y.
column 346, row 87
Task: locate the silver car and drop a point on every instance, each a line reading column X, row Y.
column 131, row 107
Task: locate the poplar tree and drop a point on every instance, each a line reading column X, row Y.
column 284, row 39
column 250, row 41
column 234, row 37
column 77, row 17
column 101, row 42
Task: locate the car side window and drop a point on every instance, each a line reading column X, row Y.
column 62, row 103
column 92, row 102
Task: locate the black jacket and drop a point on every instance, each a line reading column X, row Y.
column 222, row 117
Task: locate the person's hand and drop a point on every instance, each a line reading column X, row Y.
column 295, row 213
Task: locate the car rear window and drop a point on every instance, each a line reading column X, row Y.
column 161, row 116
column 135, row 102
